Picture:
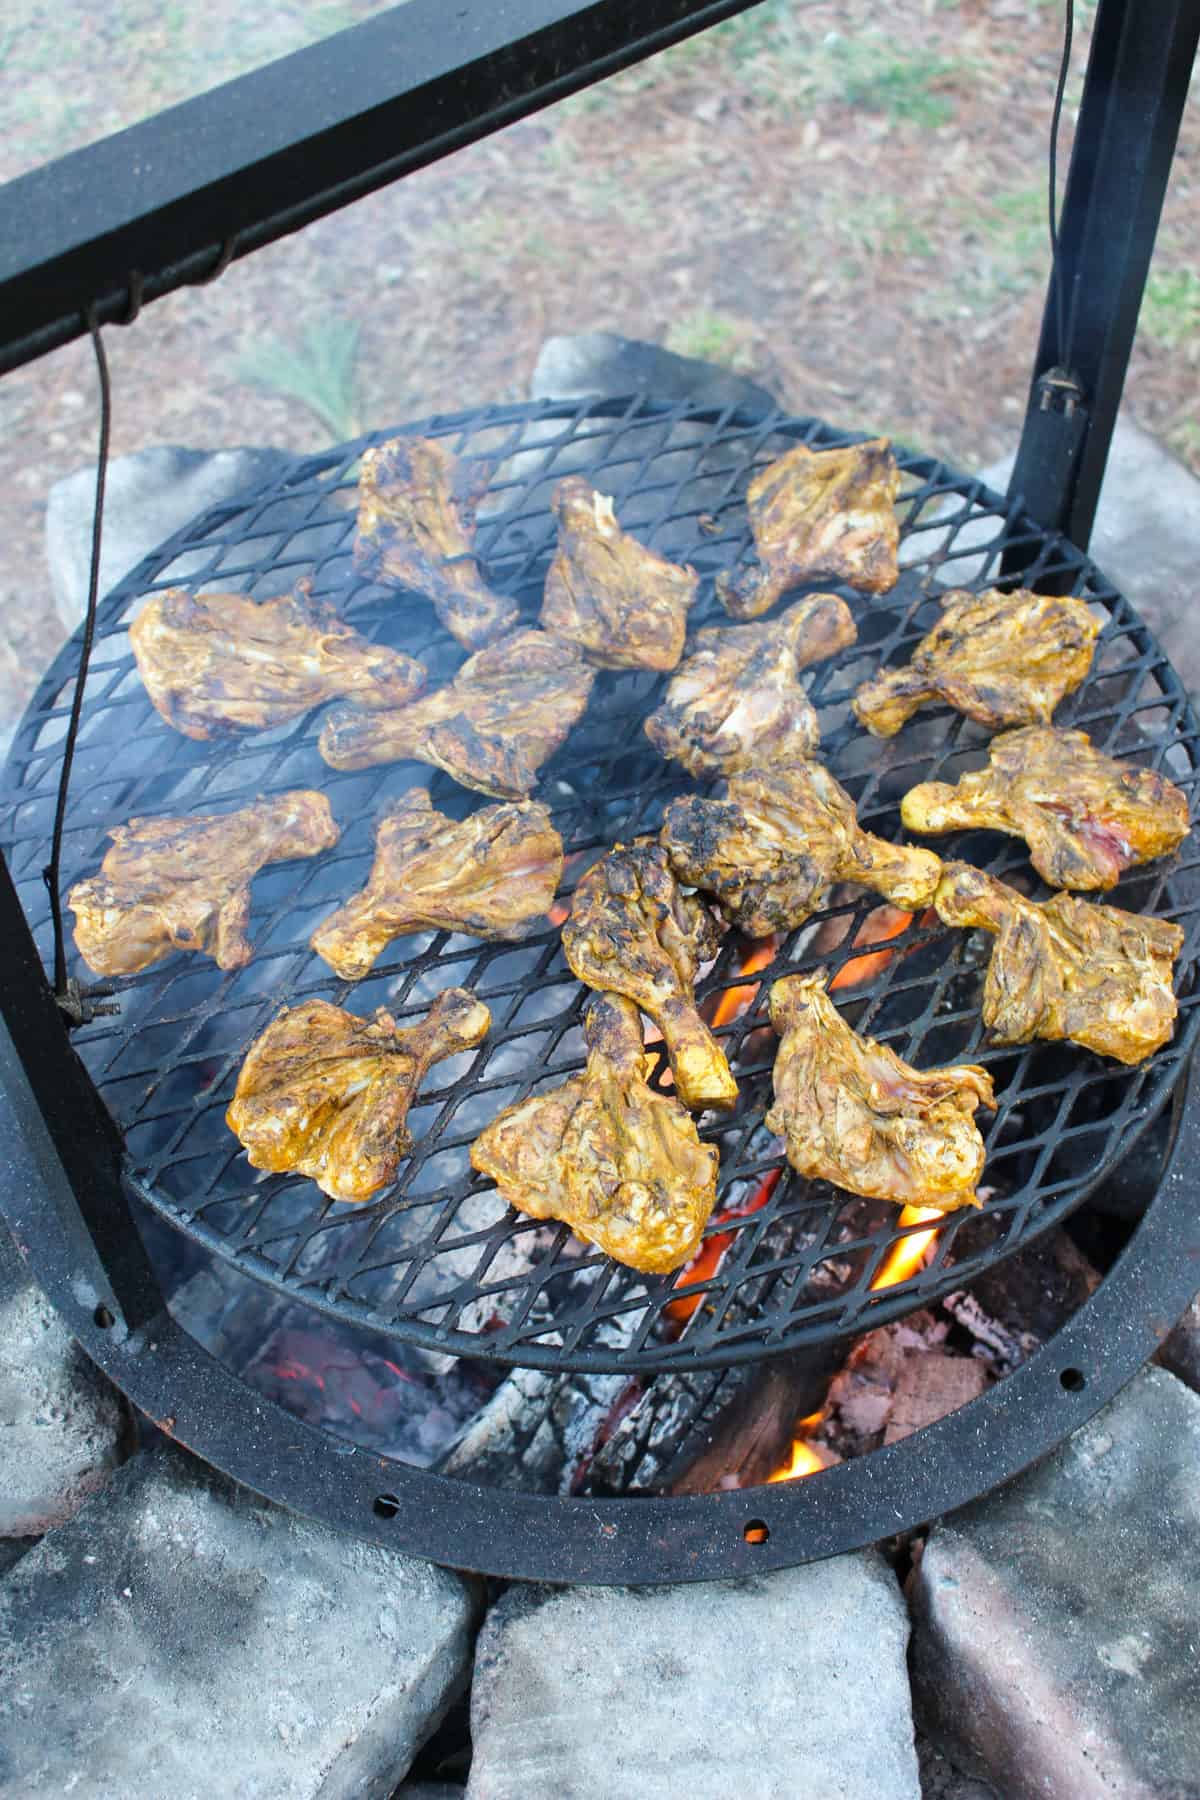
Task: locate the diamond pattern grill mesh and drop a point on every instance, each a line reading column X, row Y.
column 438, row 1259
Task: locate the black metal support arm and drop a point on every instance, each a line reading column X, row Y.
column 1133, row 99
column 171, row 200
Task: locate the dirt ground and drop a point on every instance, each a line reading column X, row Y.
column 851, row 211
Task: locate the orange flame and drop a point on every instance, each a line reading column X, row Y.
column 559, row 913
column 734, row 1001
column 711, row 1253
column 805, row 1460
column 881, row 924
column 909, row 1254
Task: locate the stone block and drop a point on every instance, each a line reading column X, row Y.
column 63, row 1427
column 600, row 362
column 181, row 1639
column 1055, row 1650
column 1181, row 1352
column 149, row 496
column 790, row 1684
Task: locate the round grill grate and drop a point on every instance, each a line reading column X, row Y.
column 438, row 1259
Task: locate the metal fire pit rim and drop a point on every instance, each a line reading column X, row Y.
column 640, row 1541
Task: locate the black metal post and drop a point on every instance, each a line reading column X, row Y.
column 171, row 200
column 1133, row 99
column 60, row 1152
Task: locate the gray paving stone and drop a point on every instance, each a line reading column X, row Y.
column 148, row 497
column 599, row 362
column 792, row 1684
column 1055, row 1643
column 1181, row 1352
column 182, row 1640
column 63, row 1427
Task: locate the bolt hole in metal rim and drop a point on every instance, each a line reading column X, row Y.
column 438, row 1260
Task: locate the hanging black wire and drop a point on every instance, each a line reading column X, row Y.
column 50, row 874
column 1064, row 68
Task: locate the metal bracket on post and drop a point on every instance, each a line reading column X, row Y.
column 1133, row 99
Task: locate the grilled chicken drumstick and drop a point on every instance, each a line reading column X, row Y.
column 215, row 664
column 1002, row 659
column 1085, row 817
column 736, row 701
column 853, row 1113
column 819, row 513
column 621, row 1165
column 184, row 883
column 493, row 875
column 508, row 708
column 327, row 1094
column 770, row 849
column 634, row 932
column 416, row 527
column 624, row 605
column 1067, row 968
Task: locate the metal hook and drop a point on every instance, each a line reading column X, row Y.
column 224, row 258
column 137, row 287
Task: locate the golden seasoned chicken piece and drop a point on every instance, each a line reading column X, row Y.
column 1003, row 659
column 327, row 1094
column 416, row 526
column 853, row 1113
column 1067, row 968
column 736, row 702
column 619, row 1164
column 1085, row 817
column 634, row 932
column 770, row 849
column 624, row 605
column 819, row 512
column 493, row 875
column 215, row 664
column 508, row 708
column 184, row 883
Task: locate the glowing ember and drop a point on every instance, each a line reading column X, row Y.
column 911, row 1253
column 734, row 1001
column 559, row 913
column 711, row 1253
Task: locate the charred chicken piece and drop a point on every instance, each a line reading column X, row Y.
column 853, row 1113
column 1003, row 659
column 634, row 932
column 1067, row 968
column 772, row 846
column 493, row 875
column 736, row 702
column 184, row 883
column 215, row 664
column 508, row 708
column 819, row 512
column 416, row 527
column 327, row 1094
column 619, row 1164
column 1085, row 817
column 624, row 605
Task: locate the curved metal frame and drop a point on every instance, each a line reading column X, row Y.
column 632, row 1541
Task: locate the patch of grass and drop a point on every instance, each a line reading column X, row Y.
column 1170, row 313
column 713, row 337
column 1017, row 225
column 1184, row 440
column 909, row 90
column 885, row 225
column 321, row 374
